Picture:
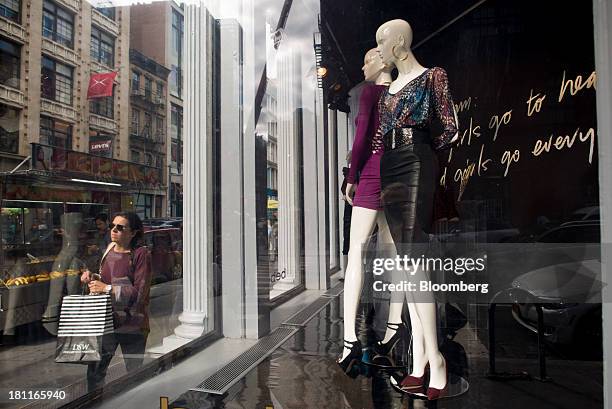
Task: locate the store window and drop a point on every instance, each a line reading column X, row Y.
column 144, row 205
column 9, row 129
column 56, row 81
column 58, row 24
column 102, row 47
column 107, row 11
column 10, row 63
column 176, row 75
column 55, row 132
column 11, row 9
column 104, row 106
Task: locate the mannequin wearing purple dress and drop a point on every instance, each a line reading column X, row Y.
column 367, row 150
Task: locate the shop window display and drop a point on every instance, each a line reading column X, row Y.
column 474, row 153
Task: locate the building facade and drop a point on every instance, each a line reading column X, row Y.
column 160, row 37
column 148, row 126
column 49, row 50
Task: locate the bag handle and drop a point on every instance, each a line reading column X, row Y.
column 108, row 248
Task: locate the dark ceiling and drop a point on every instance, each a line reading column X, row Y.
column 348, row 30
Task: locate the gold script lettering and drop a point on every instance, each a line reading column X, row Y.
column 537, row 105
column 472, row 131
column 508, row 158
column 496, row 122
column 463, row 105
column 576, row 85
column 565, row 141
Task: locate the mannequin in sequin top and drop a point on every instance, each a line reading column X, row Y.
column 416, row 99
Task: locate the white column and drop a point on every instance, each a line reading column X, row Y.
column 332, row 145
column 197, row 233
column 289, row 104
column 232, row 177
column 602, row 12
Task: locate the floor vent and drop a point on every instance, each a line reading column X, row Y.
column 224, row 378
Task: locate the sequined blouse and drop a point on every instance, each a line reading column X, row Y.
column 417, row 104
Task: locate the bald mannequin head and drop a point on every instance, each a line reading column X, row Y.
column 373, row 66
column 394, row 39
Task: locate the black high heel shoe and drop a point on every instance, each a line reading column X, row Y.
column 353, row 357
column 385, row 348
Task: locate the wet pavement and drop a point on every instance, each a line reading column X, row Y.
column 302, row 373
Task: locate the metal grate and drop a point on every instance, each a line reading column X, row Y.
column 301, row 318
column 334, row 291
column 224, row 378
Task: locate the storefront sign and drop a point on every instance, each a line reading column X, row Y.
column 101, row 147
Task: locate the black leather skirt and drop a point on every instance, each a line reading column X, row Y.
column 409, row 175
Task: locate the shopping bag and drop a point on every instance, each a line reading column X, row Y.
column 85, row 326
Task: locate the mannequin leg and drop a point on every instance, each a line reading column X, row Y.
column 425, row 314
column 419, row 358
column 407, row 191
column 397, row 298
column 362, row 225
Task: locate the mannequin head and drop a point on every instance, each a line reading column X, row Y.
column 394, row 39
column 373, row 66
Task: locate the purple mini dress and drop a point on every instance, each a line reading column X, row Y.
column 367, row 150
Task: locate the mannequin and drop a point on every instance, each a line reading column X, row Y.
column 408, row 179
column 367, row 211
column 66, row 262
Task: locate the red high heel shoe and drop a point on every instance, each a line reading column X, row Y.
column 435, row 393
column 414, row 383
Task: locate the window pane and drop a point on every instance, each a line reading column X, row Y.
column 9, row 129
column 10, row 9
column 58, row 24
column 10, row 64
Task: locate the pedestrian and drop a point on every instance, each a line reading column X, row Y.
column 125, row 273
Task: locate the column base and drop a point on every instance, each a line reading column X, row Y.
column 193, row 326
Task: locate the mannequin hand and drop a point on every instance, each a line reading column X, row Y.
column 349, row 193
column 86, row 276
column 97, row 287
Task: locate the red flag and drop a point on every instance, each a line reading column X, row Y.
column 101, row 85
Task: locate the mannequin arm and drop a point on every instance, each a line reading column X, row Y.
column 445, row 111
column 367, row 102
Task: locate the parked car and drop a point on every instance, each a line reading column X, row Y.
column 570, row 294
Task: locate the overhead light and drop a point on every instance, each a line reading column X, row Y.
column 321, row 72
column 337, row 87
column 95, row 182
